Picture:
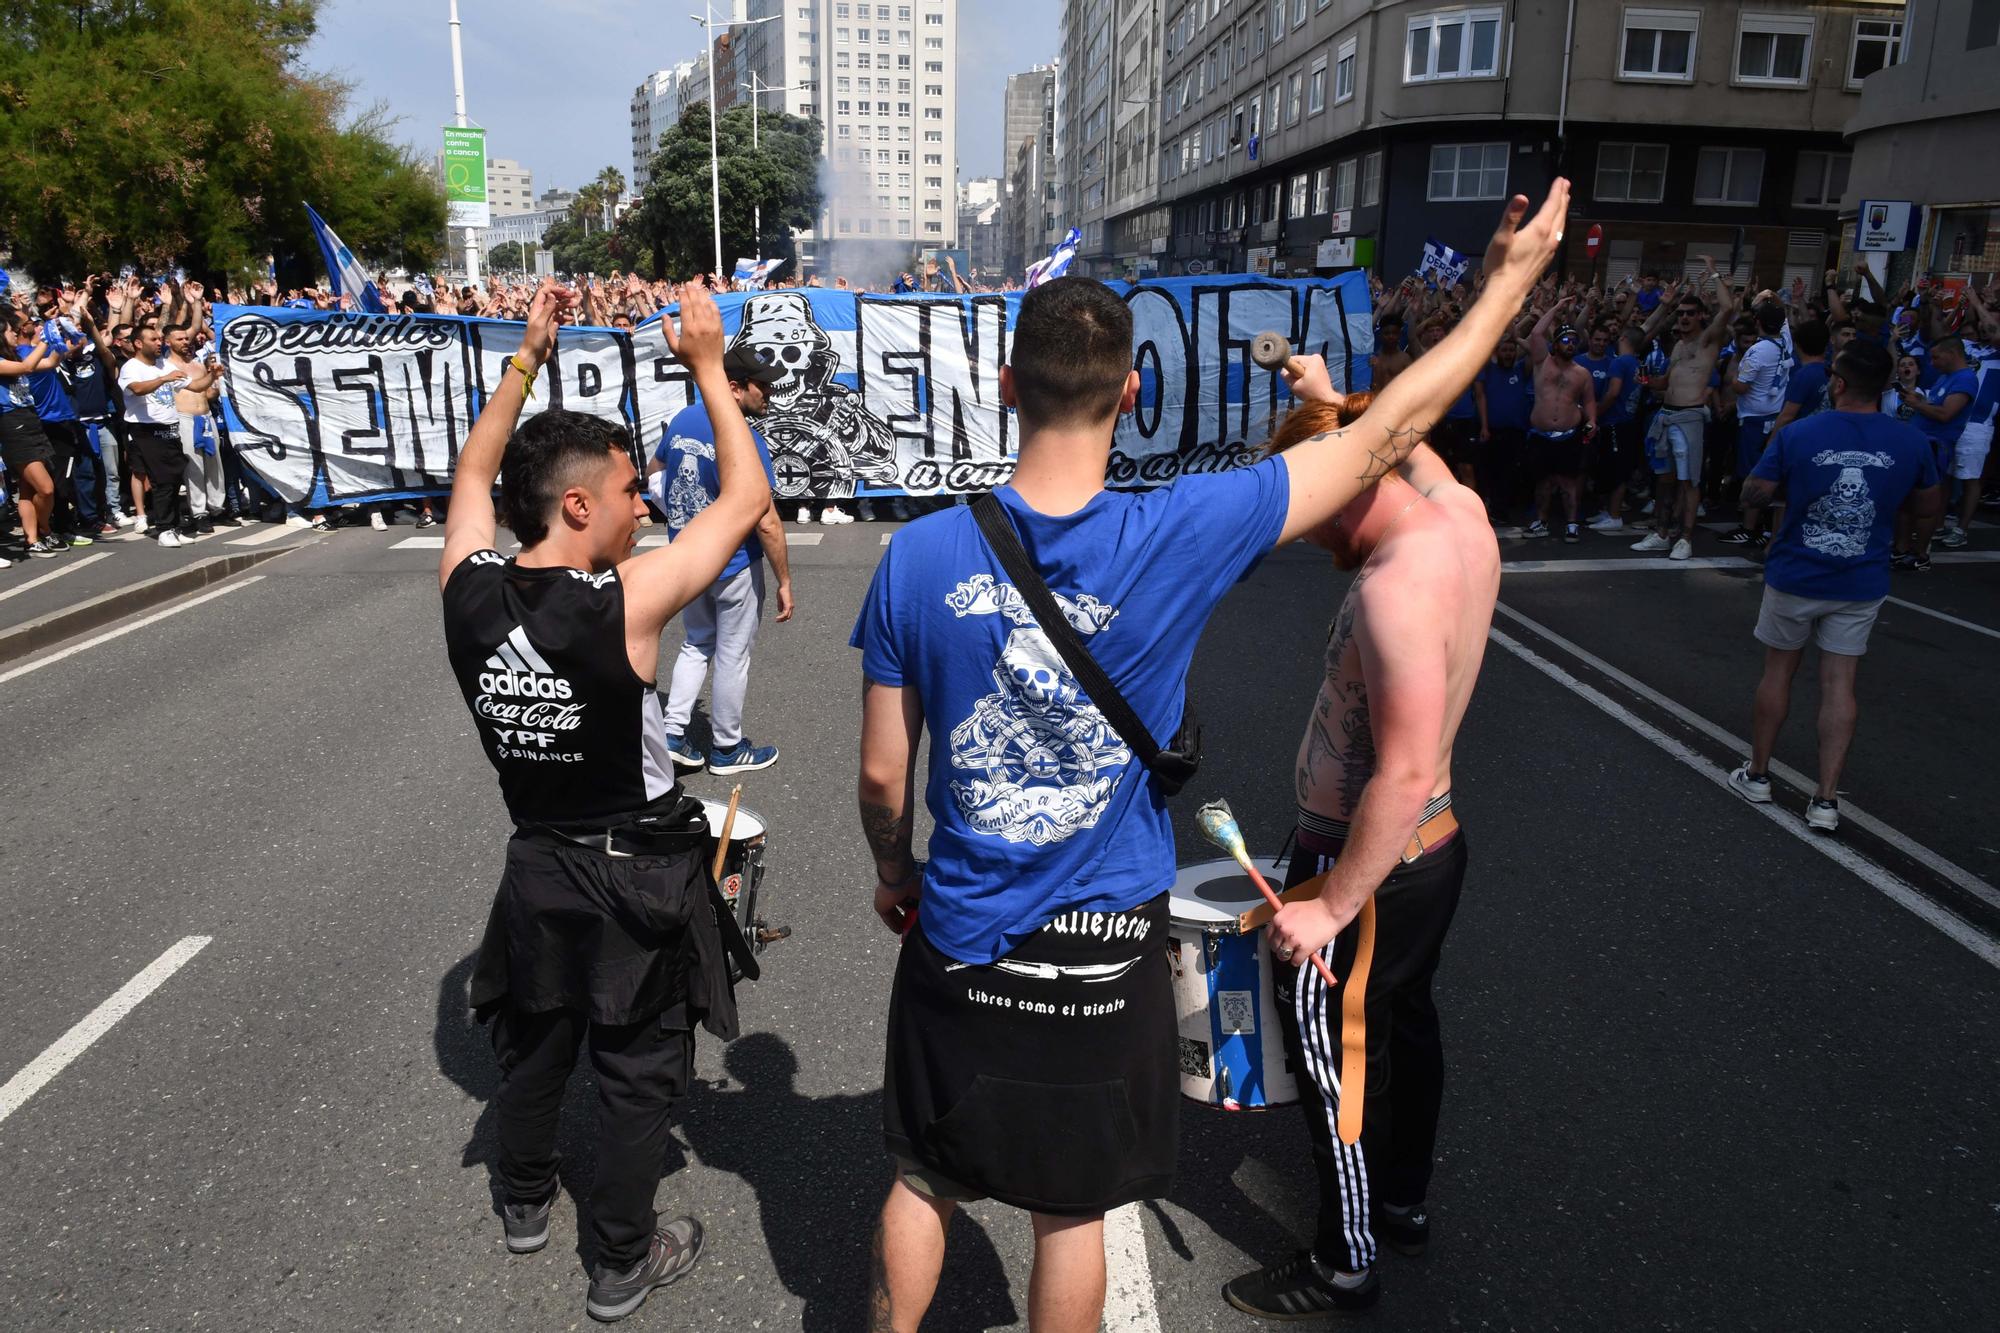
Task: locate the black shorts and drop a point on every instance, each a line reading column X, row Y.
column 1456, row 440
column 1621, row 451
column 1032, row 1080
column 23, row 441
column 1560, row 454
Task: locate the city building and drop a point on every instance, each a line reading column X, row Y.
column 1140, row 231
column 510, row 187
column 1083, row 119
column 980, row 202
column 1316, row 135
column 780, row 56
column 524, row 229
column 656, row 107
column 1028, row 213
column 1929, row 114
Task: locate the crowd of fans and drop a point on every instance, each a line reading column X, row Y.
column 1649, row 401
column 1645, row 401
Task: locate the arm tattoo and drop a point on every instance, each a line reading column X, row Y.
column 881, row 1310
column 1395, row 447
column 888, row 833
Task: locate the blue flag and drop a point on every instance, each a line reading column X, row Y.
column 1057, row 264
column 343, row 270
column 1442, row 263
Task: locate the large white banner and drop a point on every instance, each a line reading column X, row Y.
column 881, row 395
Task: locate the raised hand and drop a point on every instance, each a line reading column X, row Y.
column 699, row 338
column 1518, row 254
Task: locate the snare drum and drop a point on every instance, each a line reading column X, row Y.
column 1232, row 1054
column 742, row 865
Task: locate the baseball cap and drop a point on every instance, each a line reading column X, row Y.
column 739, row 363
column 1568, row 333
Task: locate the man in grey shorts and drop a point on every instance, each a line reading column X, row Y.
column 1843, row 474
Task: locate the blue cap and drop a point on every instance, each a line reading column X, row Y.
column 5, row 281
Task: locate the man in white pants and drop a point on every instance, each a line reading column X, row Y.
column 721, row 623
column 197, row 431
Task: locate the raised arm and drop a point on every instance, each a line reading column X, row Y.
column 1327, row 471
column 468, row 523
column 1538, row 337
column 1717, row 331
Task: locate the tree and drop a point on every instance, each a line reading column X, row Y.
column 672, row 221
column 576, row 250
column 159, row 132
column 509, row 257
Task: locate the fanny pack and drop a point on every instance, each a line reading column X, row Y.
column 1173, row 767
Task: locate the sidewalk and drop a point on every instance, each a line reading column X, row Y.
column 45, row 601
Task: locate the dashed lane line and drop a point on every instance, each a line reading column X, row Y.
column 1951, row 620
column 95, row 1024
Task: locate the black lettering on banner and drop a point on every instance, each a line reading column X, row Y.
column 589, row 379
column 299, row 392
column 366, row 379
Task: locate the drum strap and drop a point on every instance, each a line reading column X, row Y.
column 1354, row 1029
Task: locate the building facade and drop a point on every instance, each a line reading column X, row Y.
column 656, row 107
column 1927, row 120
column 1084, row 105
column 510, row 187
column 1028, row 213
column 1317, row 135
column 980, row 204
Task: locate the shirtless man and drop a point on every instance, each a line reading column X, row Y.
column 1378, row 854
column 1391, row 357
column 1679, row 427
column 1564, row 419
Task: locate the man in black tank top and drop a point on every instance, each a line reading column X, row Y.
column 603, row 930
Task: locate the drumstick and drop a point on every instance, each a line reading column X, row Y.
column 1218, row 824
column 1273, row 351
column 728, row 823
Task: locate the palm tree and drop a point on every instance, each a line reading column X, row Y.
column 610, row 184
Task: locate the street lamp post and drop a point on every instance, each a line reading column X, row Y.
column 707, row 20
column 458, row 105
column 758, row 87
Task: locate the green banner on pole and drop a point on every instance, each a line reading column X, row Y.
column 465, row 177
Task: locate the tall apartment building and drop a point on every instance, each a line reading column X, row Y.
column 1929, row 114
column 980, row 204
column 656, row 107
column 1303, row 135
column 1028, row 213
column 1135, row 127
column 510, row 187
column 1084, row 107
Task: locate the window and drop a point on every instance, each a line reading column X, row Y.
column 1322, row 189
column 1659, row 44
column 1316, row 96
column 840, row 34
column 839, row 12
column 902, row 108
column 933, row 20
column 1298, row 13
column 1461, row 171
column 902, row 226
column 1774, row 49
column 933, row 182
column 1878, row 43
column 1371, row 180
column 934, row 229
column 881, row 36
column 1343, row 72
column 840, row 131
column 840, row 60
column 1277, row 21
column 933, row 66
column 1256, row 121
column 1295, row 90
column 882, row 179
column 933, row 159
column 1729, row 176
column 1257, row 36
column 1821, row 179
column 1631, row 173
column 1256, row 207
column 1298, row 196
column 1460, row 44
column 933, row 113
column 932, row 136
column 933, row 43
column 902, row 13
column 1983, row 28
column 902, row 203
column 860, row 35
column 933, row 90
column 842, row 107
column 903, row 157
column 1343, row 185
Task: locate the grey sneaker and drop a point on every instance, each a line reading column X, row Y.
column 527, row 1224
column 1754, row 789
column 613, row 1295
column 1823, row 815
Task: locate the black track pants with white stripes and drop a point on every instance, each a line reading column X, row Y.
column 1392, row 1163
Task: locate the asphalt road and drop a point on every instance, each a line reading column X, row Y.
column 1702, row 1074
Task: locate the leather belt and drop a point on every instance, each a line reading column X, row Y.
column 1429, row 836
column 612, row 842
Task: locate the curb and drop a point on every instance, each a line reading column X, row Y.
column 119, row 603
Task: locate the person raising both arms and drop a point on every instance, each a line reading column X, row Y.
column 1562, row 422
column 1679, row 432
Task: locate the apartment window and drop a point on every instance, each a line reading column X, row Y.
column 1773, row 49
column 863, row 60
column 902, row 226
column 933, row 182
column 1659, row 44
column 1322, row 189
column 903, row 157
column 1277, row 20
column 840, row 60
column 902, row 108
column 934, row 229
column 881, row 36
column 1257, row 36
column 933, row 43
column 1729, row 176
column 840, row 12
column 1243, row 43
column 843, row 83
column 933, row 20
column 1821, row 180
column 867, row 226
column 902, row 13
column 1295, row 97
column 1631, row 173
column 933, row 136
column 933, row 113
column 1461, row 171
column 1343, row 185
column 1274, row 100
column 1298, row 13
column 1256, row 207
column 1878, row 43
column 1316, row 95
column 1983, row 28
column 861, row 35
column 902, row 86
column 933, row 159
column 841, row 131
column 933, row 90
column 1299, row 185
column 1256, row 122
column 902, row 203
column 934, row 67
column 1343, row 72
column 1236, row 127
column 1459, row 44
column 902, row 36
column 1371, row 180
column 841, row 34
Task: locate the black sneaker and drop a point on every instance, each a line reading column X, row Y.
column 1761, row 540
column 1299, row 1288
column 527, row 1224
column 1920, row 564
column 204, row 525
column 1405, row 1233
column 426, row 520
column 1740, row 537
column 1571, row 535
column 614, row 1295
column 47, row 548
column 1902, row 560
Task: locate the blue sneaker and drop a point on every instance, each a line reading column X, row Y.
column 684, row 754
column 742, row 758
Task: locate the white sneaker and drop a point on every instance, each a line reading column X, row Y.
column 1757, row 791
column 837, row 516
column 1682, row 550
column 1823, row 815
column 4, row 562
column 1652, row 541
column 1507, row 532
column 168, row 537
column 297, row 520
column 377, row 522
column 1648, row 510
column 1701, row 510
column 119, row 518
column 1607, row 523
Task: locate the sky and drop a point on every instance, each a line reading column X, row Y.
column 552, row 82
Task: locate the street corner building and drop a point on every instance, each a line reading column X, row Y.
column 1310, row 136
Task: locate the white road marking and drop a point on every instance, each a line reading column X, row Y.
column 270, row 534
column 1964, row 557
column 69, row 568
column 1129, row 1303
column 886, row 536
column 1849, row 812
column 1954, row 620
column 1881, row 880
column 1616, row 566
column 123, row 630
column 95, row 1024
column 654, row 539
column 804, row 538
column 418, row 544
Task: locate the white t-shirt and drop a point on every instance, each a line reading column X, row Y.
column 1767, row 370
column 153, row 409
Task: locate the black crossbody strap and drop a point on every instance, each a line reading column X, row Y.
column 1006, row 543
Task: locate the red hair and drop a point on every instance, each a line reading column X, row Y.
column 1310, row 419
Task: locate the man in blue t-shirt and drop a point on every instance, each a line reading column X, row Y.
column 1502, row 395
column 1942, row 405
column 1845, row 474
column 1031, row 989
column 1968, row 457
column 721, row 624
column 1621, row 440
